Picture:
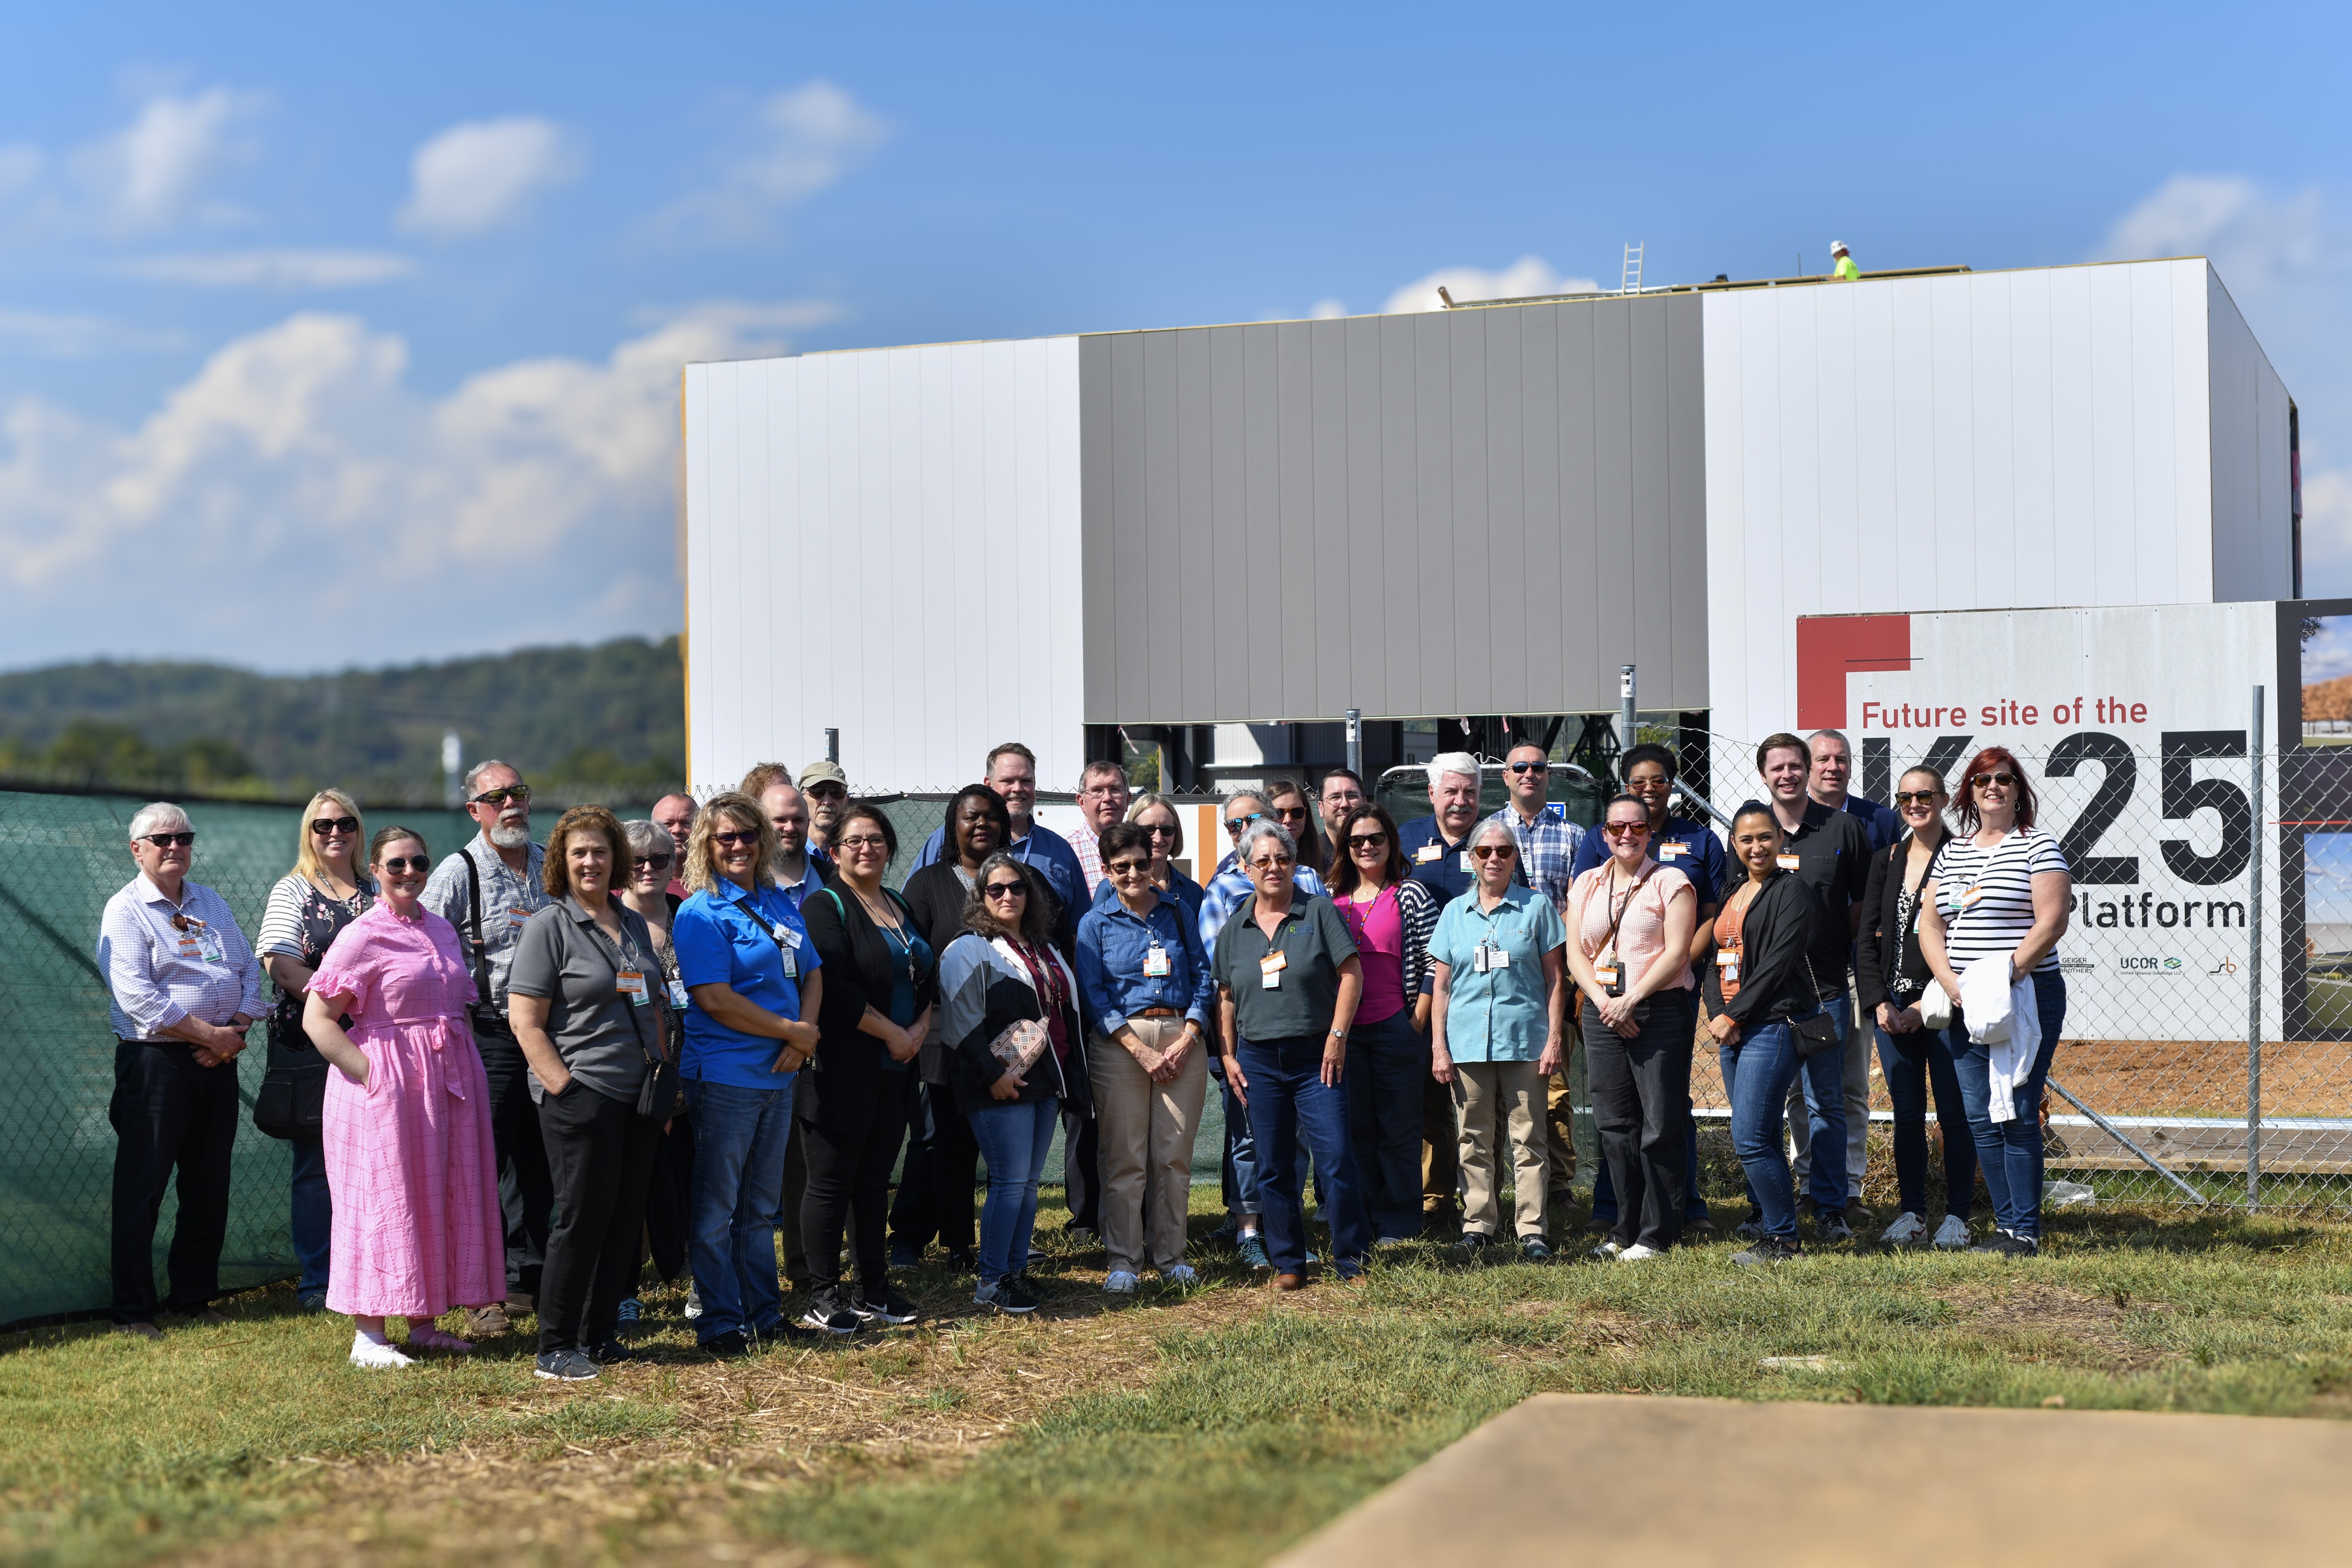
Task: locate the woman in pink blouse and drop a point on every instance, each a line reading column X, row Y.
column 407, row 1120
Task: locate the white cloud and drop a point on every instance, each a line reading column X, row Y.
column 21, row 164
column 481, row 174
column 154, row 172
column 801, row 141
column 1327, row 311
column 51, row 335
column 2259, row 240
column 1529, row 275
column 295, row 504
column 292, row 268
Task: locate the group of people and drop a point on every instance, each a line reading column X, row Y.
column 515, row 1078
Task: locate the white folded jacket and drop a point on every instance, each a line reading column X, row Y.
column 2004, row 1018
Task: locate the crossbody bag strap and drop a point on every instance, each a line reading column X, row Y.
column 474, row 902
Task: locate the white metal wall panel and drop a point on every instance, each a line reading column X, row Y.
column 853, row 521
column 2254, row 546
column 1981, row 440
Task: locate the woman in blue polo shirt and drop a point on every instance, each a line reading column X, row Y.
column 750, row 977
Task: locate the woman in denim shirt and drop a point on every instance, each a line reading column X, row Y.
column 1145, row 981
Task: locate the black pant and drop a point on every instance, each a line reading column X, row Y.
column 668, row 1230
column 1641, row 1099
column 526, row 1192
column 1081, row 1186
column 935, row 1190
column 601, row 1157
column 169, row 1113
column 850, row 1183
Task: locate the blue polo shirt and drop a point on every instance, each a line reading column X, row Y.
column 732, row 938
column 1700, row 855
column 1500, row 1014
column 1884, row 825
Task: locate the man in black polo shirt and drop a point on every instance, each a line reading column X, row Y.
column 1830, row 849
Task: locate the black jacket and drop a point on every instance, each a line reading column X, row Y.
column 1878, row 964
column 852, row 1067
column 937, row 895
column 1786, row 918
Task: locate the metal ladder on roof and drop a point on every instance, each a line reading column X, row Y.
column 1630, row 283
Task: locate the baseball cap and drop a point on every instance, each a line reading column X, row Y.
column 823, row 772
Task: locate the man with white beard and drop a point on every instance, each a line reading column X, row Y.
column 488, row 889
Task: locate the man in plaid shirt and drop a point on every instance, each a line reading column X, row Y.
column 1548, row 839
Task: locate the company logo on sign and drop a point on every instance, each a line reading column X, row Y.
column 2148, row 968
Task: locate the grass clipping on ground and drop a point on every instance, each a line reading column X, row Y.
column 1213, row 1426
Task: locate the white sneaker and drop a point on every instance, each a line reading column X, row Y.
column 1179, row 1274
column 1120, row 1283
column 1952, row 1236
column 1608, row 1250
column 1906, row 1231
column 1637, row 1252
column 378, row 1358
column 693, row 1300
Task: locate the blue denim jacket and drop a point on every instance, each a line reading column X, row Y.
column 1112, row 943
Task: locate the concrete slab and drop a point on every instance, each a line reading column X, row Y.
column 1611, row 1478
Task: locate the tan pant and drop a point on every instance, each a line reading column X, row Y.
column 1144, row 1145
column 1486, row 1093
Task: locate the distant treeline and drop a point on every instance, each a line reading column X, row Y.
column 609, row 720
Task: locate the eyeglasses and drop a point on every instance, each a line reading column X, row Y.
column 658, row 862
column 1916, row 796
column 1367, row 840
column 323, row 826
column 1532, row 767
column 826, row 792
column 1122, row 868
column 1624, row 829
column 519, row 793
column 863, row 841
column 1235, row 824
column 2003, row 779
column 1269, row 862
column 1493, row 851
column 1158, row 830
column 1105, row 789
column 1006, row 890
column 170, row 840
column 731, row 839
column 400, row 864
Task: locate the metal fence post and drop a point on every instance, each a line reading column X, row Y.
column 1355, row 742
column 2254, row 968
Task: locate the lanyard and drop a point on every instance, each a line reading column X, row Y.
column 1620, row 911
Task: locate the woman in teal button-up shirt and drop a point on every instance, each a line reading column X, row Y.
column 1498, row 1017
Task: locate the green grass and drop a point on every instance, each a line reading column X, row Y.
column 1248, row 1424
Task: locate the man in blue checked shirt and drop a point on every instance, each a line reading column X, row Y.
column 185, row 987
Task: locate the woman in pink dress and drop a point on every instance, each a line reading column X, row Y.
column 408, row 1118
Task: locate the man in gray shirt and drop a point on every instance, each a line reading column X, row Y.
column 488, row 890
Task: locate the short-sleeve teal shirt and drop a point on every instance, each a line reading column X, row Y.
column 1497, row 1016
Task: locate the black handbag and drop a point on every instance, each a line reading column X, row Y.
column 292, row 1099
column 1819, row 1033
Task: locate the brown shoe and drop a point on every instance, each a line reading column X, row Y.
column 1288, row 1282
column 139, row 1330
column 1357, row 1278
column 485, row 1322
column 204, row 1315
column 520, row 1301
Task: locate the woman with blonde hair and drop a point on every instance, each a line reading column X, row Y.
column 327, row 889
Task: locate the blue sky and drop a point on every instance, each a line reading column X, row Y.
column 341, row 339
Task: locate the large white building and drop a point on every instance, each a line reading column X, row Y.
column 1177, row 532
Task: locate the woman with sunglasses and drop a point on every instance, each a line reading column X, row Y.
column 406, row 1118
column 1145, row 980
column 1890, row 973
column 308, row 907
column 1163, row 838
column 881, row 974
column 754, row 989
column 1633, row 921
column 645, row 891
column 1391, row 917
column 2000, row 894
column 942, row 1161
column 1002, row 986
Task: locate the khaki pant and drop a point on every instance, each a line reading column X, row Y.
column 1144, row 1145
column 1510, row 1092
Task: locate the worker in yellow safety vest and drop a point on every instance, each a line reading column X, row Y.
column 1846, row 269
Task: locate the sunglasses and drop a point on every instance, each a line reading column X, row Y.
column 1123, row 867
column 1493, row 851
column 170, row 840
column 323, row 826
column 1268, row 862
column 1532, row 767
column 730, row 840
column 1624, row 829
column 1235, row 824
column 658, row 862
column 1006, row 890
column 1161, row 830
column 1367, row 840
column 1290, row 813
column 826, row 792
column 401, row 863
column 519, row 793
column 2004, row 780
column 1916, row 796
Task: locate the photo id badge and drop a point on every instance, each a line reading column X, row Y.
column 1606, row 974
column 1468, row 869
column 1428, row 855
column 1671, row 852
column 1155, row 963
column 678, row 993
column 1498, row 958
column 1786, row 861
column 632, row 985
column 1269, row 971
column 1727, row 962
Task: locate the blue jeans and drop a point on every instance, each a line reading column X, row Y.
column 1386, row 1064
column 1014, row 1140
column 1757, row 1073
column 738, row 1168
column 1912, row 1063
column 312, row 1216
column 2009, row 1153
column 1242, row 1182
column 1290, row 1103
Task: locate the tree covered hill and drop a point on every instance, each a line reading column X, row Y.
column 610, row 719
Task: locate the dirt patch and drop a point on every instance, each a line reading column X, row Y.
column 2036, row 1319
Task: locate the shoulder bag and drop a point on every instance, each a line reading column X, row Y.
column 1819, row 1033
column 657, row 1092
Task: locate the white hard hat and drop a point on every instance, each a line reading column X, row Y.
column 1836, row 245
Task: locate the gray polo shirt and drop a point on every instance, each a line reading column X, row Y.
column 602, row 1035
column 1313, row 940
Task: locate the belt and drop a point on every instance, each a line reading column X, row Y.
column 1156, row 1012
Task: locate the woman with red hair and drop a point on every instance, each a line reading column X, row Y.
column 1999, row 889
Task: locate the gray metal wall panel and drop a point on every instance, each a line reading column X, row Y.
column 1522, row 486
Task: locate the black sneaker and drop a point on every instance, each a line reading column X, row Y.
column 610, row 1353
column 1771, row 1249
column 885, row 1306
column 1534, row 1250
column 1699, row 1229
column 2001, row 1244
column 827, row 1310
column 566, row 1366
column 963, row 1262
column 1830, row 1227
column 1006, row 1296
column 1470, row 1244
column 727, row 1346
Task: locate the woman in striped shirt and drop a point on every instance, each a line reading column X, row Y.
column 2001, row 888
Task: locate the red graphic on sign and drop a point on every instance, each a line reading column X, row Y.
column 1831, row 647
